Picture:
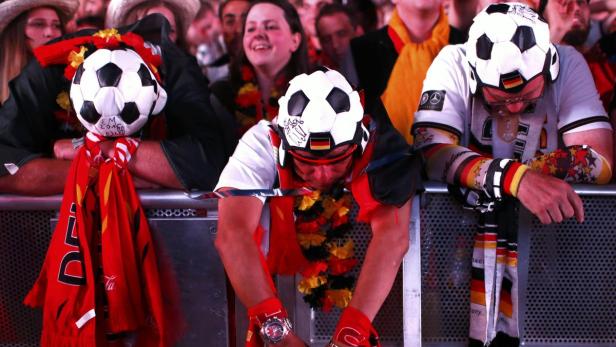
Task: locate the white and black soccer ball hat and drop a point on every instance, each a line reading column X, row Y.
column 509, row 44
column 319, row 112
column 114, row 92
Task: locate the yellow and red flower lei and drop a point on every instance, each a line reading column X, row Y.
column 250, row 108
column 322, row 225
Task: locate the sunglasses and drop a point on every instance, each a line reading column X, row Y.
column 496, row 104
column 324, row 161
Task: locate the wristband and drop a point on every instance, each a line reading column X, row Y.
column 269, row 310
column 503, row 177
column 355, row 329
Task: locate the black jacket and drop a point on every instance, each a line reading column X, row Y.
column 198, row 141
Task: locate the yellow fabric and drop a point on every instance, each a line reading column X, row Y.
column 401, row 97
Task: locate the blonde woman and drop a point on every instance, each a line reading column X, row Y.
column 179, row 13
column 25, row 25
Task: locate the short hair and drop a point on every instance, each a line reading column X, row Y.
column 224, row 4
column 364, row 13
column 204, row 9
column 333, row 8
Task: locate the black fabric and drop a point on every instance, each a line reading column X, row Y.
column 501, row 340
column 397, row 182
column 374, row 56
column 198, row 142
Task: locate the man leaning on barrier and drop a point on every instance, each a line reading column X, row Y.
column 531, row 122
column 321, row 141
column 186, row 146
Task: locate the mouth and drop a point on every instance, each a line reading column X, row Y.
column 261, row 47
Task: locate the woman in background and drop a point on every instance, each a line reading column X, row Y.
column 24, row 26
column 273, row 52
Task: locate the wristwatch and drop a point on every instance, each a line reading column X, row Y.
column 275, row 330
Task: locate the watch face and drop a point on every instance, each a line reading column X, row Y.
column 274, row 331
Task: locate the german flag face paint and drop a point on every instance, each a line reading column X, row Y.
column 320, row 144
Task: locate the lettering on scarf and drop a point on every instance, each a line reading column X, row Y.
column 432, row 100
column 71, row 270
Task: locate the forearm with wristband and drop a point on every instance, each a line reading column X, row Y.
column 268, row 323
column 460, row 166
column 354, row 329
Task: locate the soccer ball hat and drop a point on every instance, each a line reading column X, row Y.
column 508, row 45
column 318, row 113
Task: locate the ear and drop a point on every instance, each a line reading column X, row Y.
column 296, row 40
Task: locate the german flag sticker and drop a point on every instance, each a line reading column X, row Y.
column 512, row 82
column 320, row 144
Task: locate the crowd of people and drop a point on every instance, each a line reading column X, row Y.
column 334, row 102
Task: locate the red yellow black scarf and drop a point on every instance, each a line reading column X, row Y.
column 101, row 274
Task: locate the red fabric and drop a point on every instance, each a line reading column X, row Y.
column 58, row 53
column 285, row 256
column 355, row 329
column 395, row 39
column 131, row 272
column 260, row 313
column 360, row 186
column 603, row 73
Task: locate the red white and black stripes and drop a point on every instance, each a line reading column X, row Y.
column 124, row 148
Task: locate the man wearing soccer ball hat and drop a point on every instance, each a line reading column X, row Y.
column 321, row 143
column 185, row 146
column 510, row 117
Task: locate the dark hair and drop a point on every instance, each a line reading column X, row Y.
column 333, row 8
column 298, row 63
column 224, row 4
column 364, row 13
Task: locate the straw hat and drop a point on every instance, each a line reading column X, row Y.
column 11, row 9
column 118, row 10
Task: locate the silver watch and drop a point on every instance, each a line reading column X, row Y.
column 275, row 330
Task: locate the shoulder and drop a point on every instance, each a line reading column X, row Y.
column 372, row 39
column 449, row 68
column 457, row 36
column 252, row 165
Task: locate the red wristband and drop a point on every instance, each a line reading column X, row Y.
column 355, row 329
column 260, row 313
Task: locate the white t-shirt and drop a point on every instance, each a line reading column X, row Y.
column 253, row 164
column 570, row 104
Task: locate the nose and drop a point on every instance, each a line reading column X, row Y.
column 49, row 31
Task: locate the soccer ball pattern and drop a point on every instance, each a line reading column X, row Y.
column 114, row 92
column 509, row 39
column 321, row 105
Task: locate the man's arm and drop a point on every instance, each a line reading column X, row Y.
column 40, row 176
column 549, row 198
column 238, row 219
column 149, row 162
column 390, row 241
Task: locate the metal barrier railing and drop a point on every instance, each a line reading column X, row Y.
column 567, row 273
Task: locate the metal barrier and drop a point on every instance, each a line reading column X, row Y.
column 567, row 273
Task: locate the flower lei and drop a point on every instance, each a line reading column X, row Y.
column 249, row 108
column 322, row 225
